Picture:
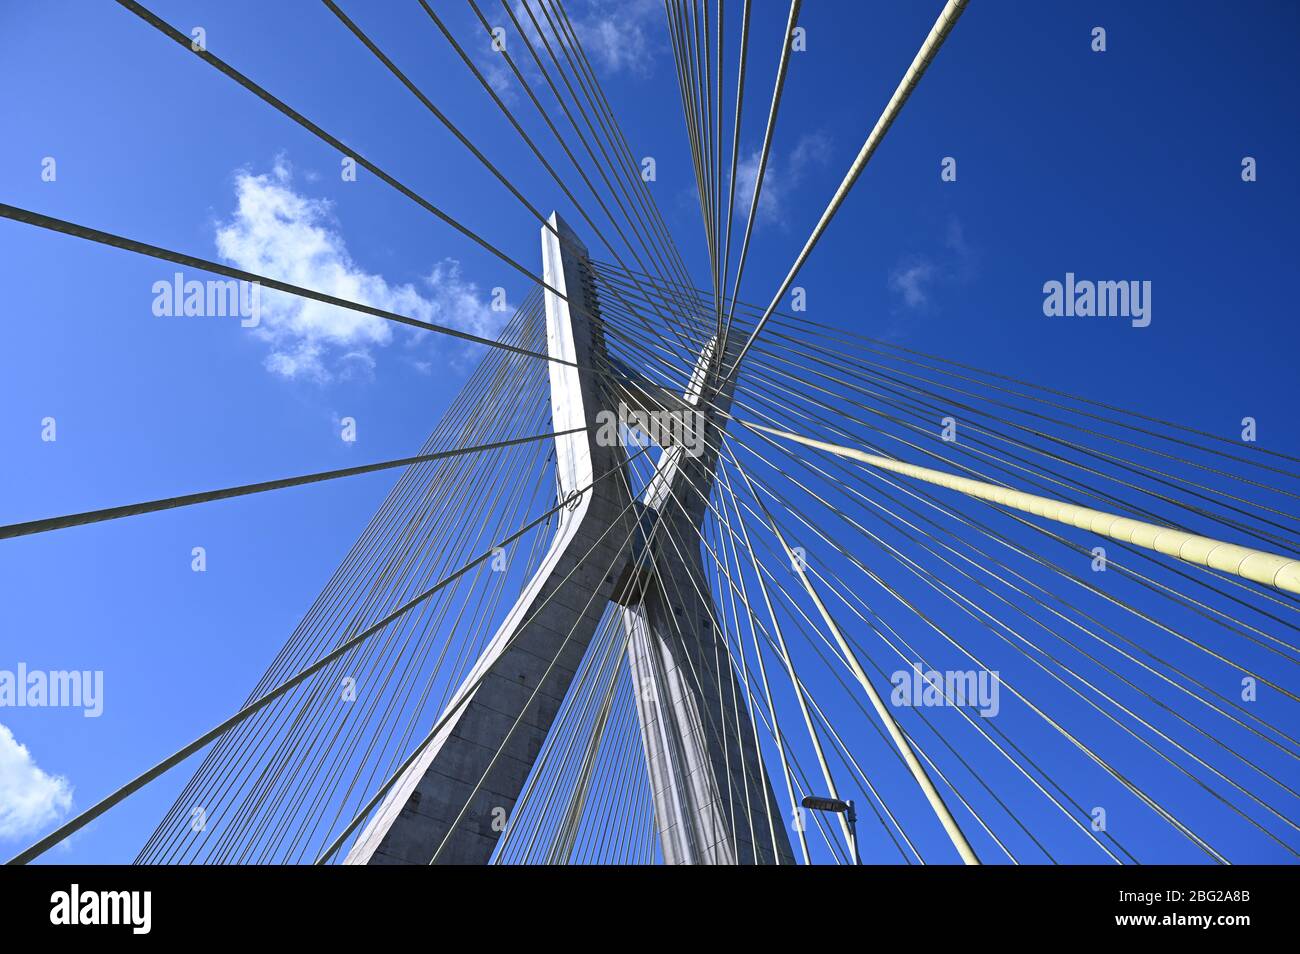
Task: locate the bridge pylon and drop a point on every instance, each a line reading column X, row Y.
column 712, row 799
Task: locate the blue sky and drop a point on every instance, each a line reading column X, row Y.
column 1123, row 164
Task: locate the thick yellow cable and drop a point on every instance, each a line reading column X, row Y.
column 1260, row 566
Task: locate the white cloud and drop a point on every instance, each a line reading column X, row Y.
column 461, row 303
column 811, row 149
column 617, row 36
column 914, row 278
column 499, row 77
column 956, row 239
column 281, row 233
column 30, row 799
column 746, row 175
column 780, row 178
column 621, row 35
column 912, row 282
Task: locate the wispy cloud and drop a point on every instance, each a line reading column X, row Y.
column 499, row 78
column 621, row 35
column 913, row 283
column 279, row 232
column 962, row 260
column 781, row 177
column 30, row 799
column 618, row 36
column 915, row 277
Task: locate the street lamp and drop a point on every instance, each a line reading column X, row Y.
column 820, row 804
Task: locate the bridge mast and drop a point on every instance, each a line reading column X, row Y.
column 709, row 789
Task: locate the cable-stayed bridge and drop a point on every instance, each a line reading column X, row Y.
column 672, row 562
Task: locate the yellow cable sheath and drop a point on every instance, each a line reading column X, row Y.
column 1260, row 566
